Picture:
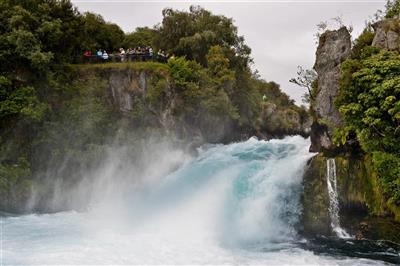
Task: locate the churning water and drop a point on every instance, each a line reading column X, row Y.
column 232, row 204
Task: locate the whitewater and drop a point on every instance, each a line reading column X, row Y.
column 230, row 204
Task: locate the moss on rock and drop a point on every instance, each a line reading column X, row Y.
column 361, row 199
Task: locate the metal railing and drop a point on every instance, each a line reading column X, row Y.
column 136, row 57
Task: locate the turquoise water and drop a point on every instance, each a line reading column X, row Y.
column 231, row 204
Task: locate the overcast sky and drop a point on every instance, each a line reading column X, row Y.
column 280, row 33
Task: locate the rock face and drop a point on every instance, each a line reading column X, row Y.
column 124, row 86
column 387, row 34
column 359, row 197
column 334, row 47
column 283, row 121
column 131, row 90
column 139, row 93
column 315, row 200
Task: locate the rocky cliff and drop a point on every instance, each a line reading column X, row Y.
column 152, row 95
column 334, row 47
column 362, row 201
column 387, row 34
column 148, row 98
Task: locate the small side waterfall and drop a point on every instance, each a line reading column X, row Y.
column 333, row 199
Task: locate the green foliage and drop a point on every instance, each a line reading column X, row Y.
column 180, row 70
column 369, row 100
column 142, row 36
column 392, row 8
column 15, row 182
column 192, row 34
column 218, row 67
column 156, row 93
column 77, row 129
column 305, row 79
column 362, row 45
column 134, row 66
column 388, row 168
column 22, row 102
column 100, row 34
column 273, row 92
column 201, row 89
column 370, row 104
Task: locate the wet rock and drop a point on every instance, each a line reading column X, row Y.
column 363, row 209
column 315, row 218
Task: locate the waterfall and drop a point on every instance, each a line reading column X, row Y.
column 333, row 199
column 228, row 205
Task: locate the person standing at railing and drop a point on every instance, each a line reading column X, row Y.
column 99, row 56
column 122, row 54
column 87, row 54
column 150, row 53
column 105, row 55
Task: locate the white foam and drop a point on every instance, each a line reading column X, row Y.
column 234, row 204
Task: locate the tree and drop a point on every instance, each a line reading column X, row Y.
column 192, row 34
column 35, row 36
column 142, row 36
column 99, row 34
column 369, row 100
column 392, row 8
column 305, row 79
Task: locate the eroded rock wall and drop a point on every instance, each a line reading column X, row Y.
column 387, row 34
column 361, row 201
column 334, row 48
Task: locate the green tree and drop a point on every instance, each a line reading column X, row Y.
column 142, row 36
column 306, row 78
column 392, row 8
column 99, row 34
column 369, row 100
column 193, row 33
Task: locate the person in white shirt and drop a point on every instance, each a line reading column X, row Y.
column 105, row 55
column 122, row 54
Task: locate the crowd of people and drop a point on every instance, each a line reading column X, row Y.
column 131, row 54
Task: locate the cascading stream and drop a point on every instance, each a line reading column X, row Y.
column 333, row 199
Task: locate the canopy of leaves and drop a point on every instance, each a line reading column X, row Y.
column 99, row 34
column 369, row 101
column 392, row 8
column 192, row 34
column 142, row 37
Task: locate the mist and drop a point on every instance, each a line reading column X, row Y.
column 126, row 164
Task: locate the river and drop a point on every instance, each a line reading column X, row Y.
column 231, row 204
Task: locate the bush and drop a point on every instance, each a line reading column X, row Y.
column 369, row 100
column 388, row 168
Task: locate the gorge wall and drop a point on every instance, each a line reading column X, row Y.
column 152, row 94
column 364, row 209
column 334, row 47
column 101, row 106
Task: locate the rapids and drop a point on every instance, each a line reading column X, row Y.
column 231, row 204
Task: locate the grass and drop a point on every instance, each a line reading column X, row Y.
column 136, row 66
